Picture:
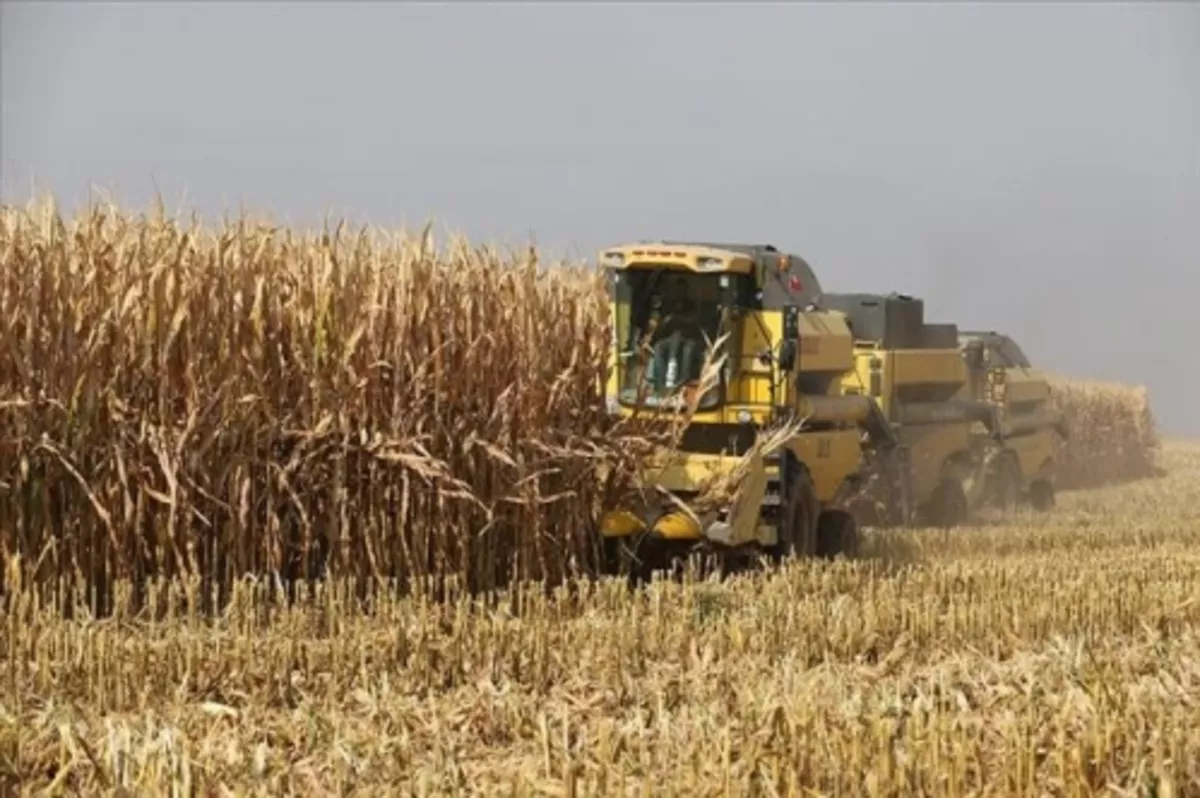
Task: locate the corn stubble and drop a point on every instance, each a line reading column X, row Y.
column 188, row 406
column 1037, row 657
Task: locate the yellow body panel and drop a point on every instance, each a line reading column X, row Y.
column 678, row 526
column 1034, row 452
column 620, row 523
column 671, row 526
column 1022, row 386
column 688, row 472
column 928, row 366
column 825, row 346
column 907, row 367
column 1018, row 385
column 933, row 375
column 900, row 368
column 930, row 447
column 832, row 457
column 753, row 385
column 825, row 342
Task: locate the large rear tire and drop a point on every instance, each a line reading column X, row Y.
column 837, row 533
column 948, row 505
column 1041, row 496
column 1004, row 490
column 892, row 495
column 798, row 514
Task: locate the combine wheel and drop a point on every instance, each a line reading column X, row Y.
column 798, row 515
column 1041, row 496
column 948, row 505
column 837, row 533
column 1005, row 488
column 866, row 512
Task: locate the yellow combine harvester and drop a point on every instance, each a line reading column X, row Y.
column 918, row 376
column 1030, row 428
column 903, row 420
column 975, row 418
column 786, row 360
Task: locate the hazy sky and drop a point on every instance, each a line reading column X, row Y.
column 1029, row 167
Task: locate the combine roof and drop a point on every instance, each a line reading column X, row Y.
column 1008, row 349
column 788, row 281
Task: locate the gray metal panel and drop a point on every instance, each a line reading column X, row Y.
column 777, row 292
column 895, row 320
column 940, row 336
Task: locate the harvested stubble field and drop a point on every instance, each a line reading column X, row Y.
column 1053, row 655
column 178, row 401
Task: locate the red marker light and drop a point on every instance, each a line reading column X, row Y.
column 794, row 283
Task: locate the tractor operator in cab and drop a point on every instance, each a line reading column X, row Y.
column 678, row 338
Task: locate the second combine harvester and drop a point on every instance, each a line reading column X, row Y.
column 903, row 421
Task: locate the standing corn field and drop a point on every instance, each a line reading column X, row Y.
column 1111, row 433
column 247, row 399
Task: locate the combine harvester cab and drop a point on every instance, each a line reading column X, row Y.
column 784, row 361
column 1031, row 428
column 918, row 376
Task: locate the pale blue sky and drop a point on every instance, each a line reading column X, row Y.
column 1025, row 166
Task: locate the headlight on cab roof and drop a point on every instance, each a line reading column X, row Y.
column 709, row 263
